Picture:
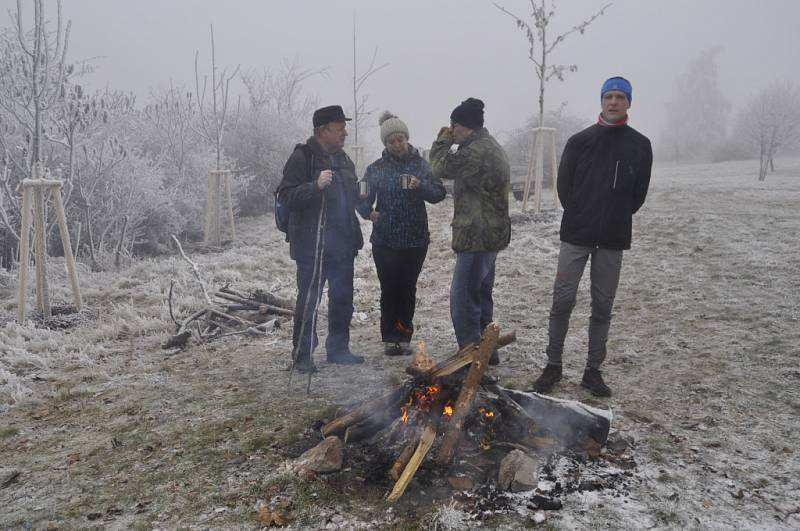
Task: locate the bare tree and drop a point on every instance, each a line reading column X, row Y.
column 360, row 111
column 213, row 125
column 172, row 120
column 34, row 83
column 770, row 122
column 279, row 90
column 33, row 77
column 541, row 47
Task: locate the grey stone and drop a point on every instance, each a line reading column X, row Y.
column 518, row 472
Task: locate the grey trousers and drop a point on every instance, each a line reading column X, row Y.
column 605, row 268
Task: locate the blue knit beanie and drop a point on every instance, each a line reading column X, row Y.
column 617, row 83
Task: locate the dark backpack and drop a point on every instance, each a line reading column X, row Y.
column 281, row 208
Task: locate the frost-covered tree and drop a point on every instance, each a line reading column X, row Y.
column 771, row 122
column 276, row 117
column 542, row 44
column 696, row 112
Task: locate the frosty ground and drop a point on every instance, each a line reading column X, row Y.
column 100, row 428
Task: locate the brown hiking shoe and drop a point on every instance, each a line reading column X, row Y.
column 550, row 375
column 593, row 381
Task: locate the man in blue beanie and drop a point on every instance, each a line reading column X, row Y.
column 602, row 181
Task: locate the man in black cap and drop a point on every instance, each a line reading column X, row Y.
column 320, row 188
column 602, row 181
column 481, row 225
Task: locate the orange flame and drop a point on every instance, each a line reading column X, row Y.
column 489, row 414
column 422, row 360
column 423, row 400
column 448, row 410
column 405, row 409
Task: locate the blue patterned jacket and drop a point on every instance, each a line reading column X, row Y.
column 403, row 221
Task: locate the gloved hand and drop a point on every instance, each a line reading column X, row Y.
column 445, row 133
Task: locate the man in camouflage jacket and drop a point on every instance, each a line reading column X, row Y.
column 481, row 226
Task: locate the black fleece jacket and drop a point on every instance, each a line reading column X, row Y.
column 602, row 181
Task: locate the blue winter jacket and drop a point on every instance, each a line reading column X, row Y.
column 403, row 221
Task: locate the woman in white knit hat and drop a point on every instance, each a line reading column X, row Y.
column 399, row 183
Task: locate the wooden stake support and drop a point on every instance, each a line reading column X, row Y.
column 33, row 191
column 213, row 234
column 536, row 168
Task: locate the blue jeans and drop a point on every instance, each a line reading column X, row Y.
column 339, row 275
column 471, row 304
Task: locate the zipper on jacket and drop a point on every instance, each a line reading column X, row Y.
column 616, row 169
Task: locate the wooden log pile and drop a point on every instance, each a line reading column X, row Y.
column 442, row 405
column 231, row 312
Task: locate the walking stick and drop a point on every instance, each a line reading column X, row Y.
column 316, row 275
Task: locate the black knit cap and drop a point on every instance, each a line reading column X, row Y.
column 331, row 113
column 469, row 113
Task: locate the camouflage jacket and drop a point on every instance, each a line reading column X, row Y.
column 481, row 175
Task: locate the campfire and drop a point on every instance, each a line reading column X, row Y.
column 454, row 408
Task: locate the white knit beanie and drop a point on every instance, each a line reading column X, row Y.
column 391, row 124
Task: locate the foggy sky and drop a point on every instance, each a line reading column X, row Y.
column 440, row 51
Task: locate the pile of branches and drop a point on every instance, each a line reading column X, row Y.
column 231, row 312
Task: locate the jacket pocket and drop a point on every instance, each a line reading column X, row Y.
column 621, row 177
column 497, row 234
column 463, row 233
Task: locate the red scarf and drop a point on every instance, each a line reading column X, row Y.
column 602, row 121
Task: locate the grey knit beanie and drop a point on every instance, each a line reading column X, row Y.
column 391, row 124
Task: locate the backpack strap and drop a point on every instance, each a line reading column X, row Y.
column 310, row 159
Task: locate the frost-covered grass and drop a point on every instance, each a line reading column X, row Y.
column 703, row 362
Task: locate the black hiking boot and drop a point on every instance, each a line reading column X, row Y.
column 495, row 358
column 391, row 348
column 305, row 366
column 593, row 381
column 550, row 376
column 405, row 348
column 345, row 358
column 397, row 348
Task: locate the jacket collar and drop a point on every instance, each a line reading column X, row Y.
column 413, row 153
column 476, row 134
column 314, row 144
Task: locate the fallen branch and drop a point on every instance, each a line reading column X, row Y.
column 195, row 270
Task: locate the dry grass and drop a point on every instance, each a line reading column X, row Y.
column 703, row 362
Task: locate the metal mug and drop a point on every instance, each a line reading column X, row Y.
column 363, row 188
column 405, row 181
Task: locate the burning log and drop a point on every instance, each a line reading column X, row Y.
column 572, row 424
column 468, row 389
column 424, row 446
column 405, row 456
column 375, row 422
column 340, row 424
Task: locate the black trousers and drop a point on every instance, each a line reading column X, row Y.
column 398, row 271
